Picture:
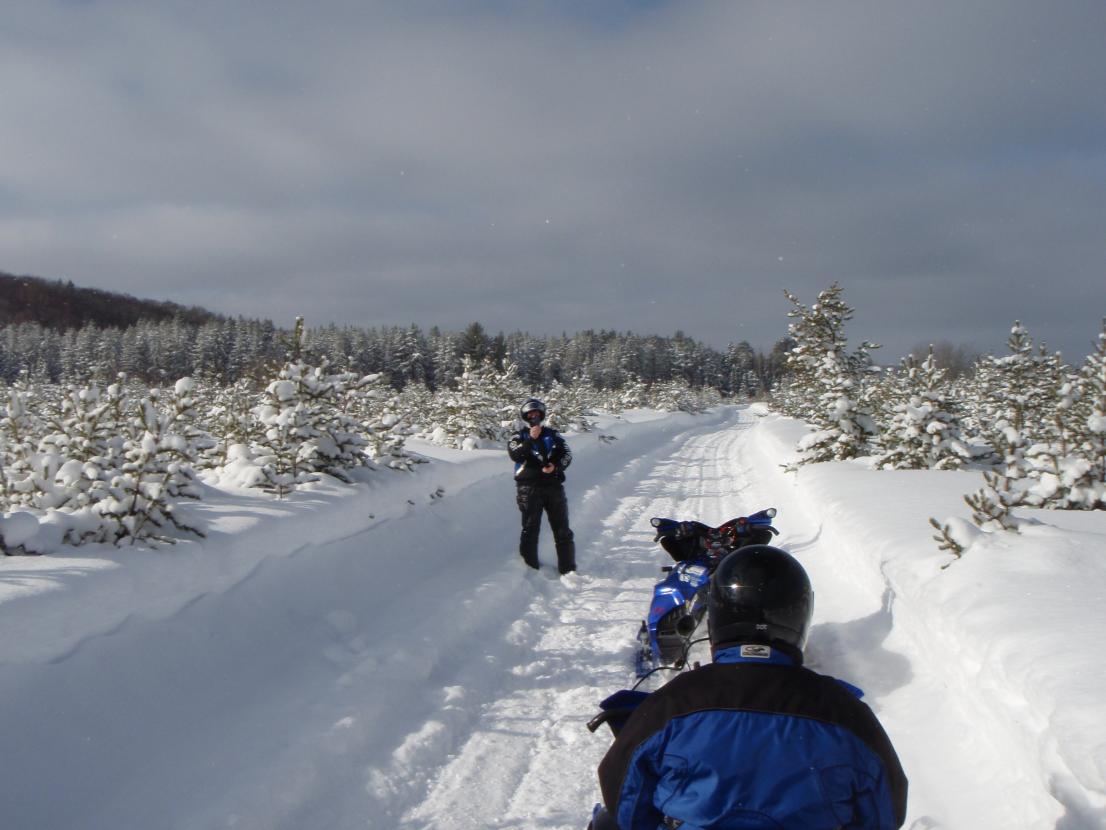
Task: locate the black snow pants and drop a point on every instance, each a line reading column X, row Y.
column 532, row 500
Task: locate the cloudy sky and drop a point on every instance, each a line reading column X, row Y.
column 557, row 166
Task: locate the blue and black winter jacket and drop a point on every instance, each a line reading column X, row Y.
column 531, row 455
column 753, row 741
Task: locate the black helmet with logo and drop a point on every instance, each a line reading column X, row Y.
column 760, row 594
column 532, row 405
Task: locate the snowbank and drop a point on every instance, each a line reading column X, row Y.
column 1013, row 628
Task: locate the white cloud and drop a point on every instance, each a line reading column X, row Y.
column 691, row 161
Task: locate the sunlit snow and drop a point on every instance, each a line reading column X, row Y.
column 377, row 656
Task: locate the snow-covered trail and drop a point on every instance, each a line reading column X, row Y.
column 414, row 675
column 529, row 762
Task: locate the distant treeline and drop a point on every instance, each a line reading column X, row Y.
column 227, row 350
column 56, row 332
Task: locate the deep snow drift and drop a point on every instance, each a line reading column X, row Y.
column 377, row 656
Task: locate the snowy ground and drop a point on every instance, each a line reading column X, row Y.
column 377, row 657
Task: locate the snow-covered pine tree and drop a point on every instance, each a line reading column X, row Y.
column 796, row 395
column 1069, row 467
column 416, row 406
column 185, row 402
column 830, row 378
column 789, row 397
column 525, row 352
column 412, row 358
column 991, row 504
column 156, row 473
column 282, row 452
column 470, row 413
column 76, row 355
column 741, row 379
column 557, row 407
column 578, row 402
column 966, row 390
column 673, row 395
column 18, row 436
column 1016, row 391
column 633, row 395
column 340, row 443
column 229, row 419
column 569, row 406
column 507, row 391
column 445, row 358
column 553, row 359
column 708, row 397
column 289, row 426
column 1052, row 460
column 1091, row 427
column 1020, row 397
column 922, row 430
column 306, row 430
column 82, row 449
column 382, row 412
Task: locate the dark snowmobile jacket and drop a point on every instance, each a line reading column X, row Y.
column 753, row 741
column 531, row 455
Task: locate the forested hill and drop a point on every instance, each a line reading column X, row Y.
column 53, row 332
column 62, row 305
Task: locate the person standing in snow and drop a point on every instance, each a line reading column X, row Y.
column 753, row 739
column 541, row 456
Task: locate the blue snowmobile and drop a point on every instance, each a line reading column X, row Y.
column 680, row 599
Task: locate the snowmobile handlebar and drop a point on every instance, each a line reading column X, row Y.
column 616, row 709
column 611, row 717
column 731, row 530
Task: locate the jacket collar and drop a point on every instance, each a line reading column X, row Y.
column 753, row 653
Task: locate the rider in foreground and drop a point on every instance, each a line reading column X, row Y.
column 753, row 740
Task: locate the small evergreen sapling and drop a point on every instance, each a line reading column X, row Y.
column 228, row 418
column 1092, row 383
column 156, row 472
column 829, row 379
column 633, row 395
column 82, row 448
column 1070, row 466
column 18, row 436
column 674, row 395
column 569, row 406
column 339, row 443
column 471, row 413
column 1027, row 397
column 384, row 417
column 305, row 427
column 992, row 503
column 922, row 430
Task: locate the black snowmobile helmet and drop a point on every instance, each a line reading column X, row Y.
column 760, row 594
column 532, row 405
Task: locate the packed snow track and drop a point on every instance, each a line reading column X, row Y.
column 416, row 675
